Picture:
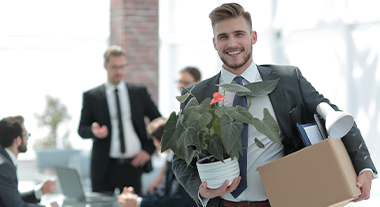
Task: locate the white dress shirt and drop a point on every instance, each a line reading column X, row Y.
column 131, row 140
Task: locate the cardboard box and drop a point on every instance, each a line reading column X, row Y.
column 317, row 176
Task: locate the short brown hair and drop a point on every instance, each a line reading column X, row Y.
column 156, row 128
column 228, row 11
column 193, row 71
column 114, row 50
column 10, row 128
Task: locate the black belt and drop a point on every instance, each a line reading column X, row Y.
column 226, row 203
column 122, row 161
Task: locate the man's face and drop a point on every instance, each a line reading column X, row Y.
column 24, row 140
column 116, row 69
column 185, row 80
column 233, row 41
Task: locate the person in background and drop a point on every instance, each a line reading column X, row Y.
column 187, row 77
column 14, row 140
column 293, row 101
column 169, row 193
column 113, row 116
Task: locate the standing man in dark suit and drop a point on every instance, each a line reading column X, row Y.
column 293, row 101
column 113, row 116
column 169, row 193
column 14, row 140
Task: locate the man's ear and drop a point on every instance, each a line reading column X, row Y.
column 105, row 66
column 254, row 37
column 213, row 41
column 18, row 140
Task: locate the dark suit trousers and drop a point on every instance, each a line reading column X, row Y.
column 120, row 175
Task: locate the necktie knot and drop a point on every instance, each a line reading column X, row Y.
column 116, row 90
column 239, row 80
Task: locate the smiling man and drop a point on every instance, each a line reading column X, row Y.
column 293, row 101
column 113, row 117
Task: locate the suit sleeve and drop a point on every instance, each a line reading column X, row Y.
column 150, row 108
column 8, row 190
column 353, row 141
column 151, row 112
column 86, row 120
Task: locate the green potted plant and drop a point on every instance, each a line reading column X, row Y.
column 217, row 128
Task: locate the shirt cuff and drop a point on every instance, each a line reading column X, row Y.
column 138, row 203
column 374, row 175
column 38, row 191
column 203, row 201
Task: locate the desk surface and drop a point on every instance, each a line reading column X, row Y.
column 63, row 202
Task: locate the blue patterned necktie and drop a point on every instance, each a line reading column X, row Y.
column 242, row 101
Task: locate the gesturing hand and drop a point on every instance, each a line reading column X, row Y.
column 99, row 132
column 212, row 193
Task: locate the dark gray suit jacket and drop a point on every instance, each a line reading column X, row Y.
column 9, row 195
column 294, row 101
column 95, row 109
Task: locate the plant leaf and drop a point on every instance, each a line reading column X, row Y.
column 216, row 126
column 268, row 127
column 235, row 88
column 182, row 98
column 259, row 144
column 242, row 114
column 193, row 103
column 203, row 119
column 259, row 88
column 168, row 140
column 224, row 110
column 215, row 147
column 230, row 132
column 199, row 141
column 187, row 137
column 189, row 154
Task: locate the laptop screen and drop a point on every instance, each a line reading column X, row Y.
column 70, row 183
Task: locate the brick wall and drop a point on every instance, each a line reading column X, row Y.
column 134, row 26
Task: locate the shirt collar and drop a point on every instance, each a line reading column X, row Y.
column 12, row 156
column 249, row 74
column 119, row 86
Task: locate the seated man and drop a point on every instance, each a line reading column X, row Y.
column 170, row 193
column 13, row 140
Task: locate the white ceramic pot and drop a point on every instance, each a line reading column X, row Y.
column 216, row 173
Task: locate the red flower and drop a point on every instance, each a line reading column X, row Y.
column 217, row 97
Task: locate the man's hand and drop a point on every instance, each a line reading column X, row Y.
column 99, row 132
column 127, row 198
column 48, row 186
column 364, row 182
column 140, row 158
column 212, row 193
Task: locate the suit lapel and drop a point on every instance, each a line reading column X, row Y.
column 103, row 105
column 132, row 104
column 278, row 101
column 211, row 87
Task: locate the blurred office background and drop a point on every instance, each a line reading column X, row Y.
column 56, row 48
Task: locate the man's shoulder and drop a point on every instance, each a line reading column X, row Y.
column 277, row 67
column 282, row 70
column 135, row 86
column 95, row 89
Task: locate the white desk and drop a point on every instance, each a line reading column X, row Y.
column 63, row 202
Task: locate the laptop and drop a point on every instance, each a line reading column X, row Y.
column 72, row 188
